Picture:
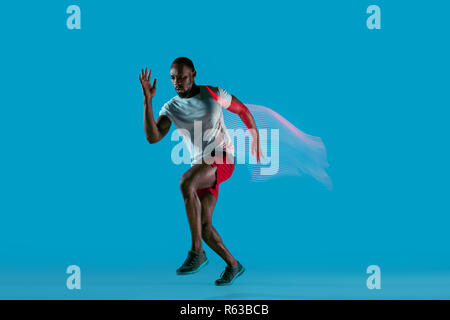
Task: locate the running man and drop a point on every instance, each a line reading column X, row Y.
column 197, row 109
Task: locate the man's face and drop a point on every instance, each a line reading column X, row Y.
column 182, row 78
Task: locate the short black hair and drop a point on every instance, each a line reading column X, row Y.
column 186, row 61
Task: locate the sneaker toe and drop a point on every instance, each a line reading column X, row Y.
column 220, row 282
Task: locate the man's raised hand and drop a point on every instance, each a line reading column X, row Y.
column 149, row 90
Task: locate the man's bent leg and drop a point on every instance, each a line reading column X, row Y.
column 197, row 177
column 209, row 233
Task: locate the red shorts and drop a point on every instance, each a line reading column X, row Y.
column 223, row 172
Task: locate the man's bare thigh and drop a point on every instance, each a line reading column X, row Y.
column 201, row 175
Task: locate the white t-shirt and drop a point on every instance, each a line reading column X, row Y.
column 199, row 120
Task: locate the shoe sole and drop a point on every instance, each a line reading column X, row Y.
column 231, row 282
column 194, row 271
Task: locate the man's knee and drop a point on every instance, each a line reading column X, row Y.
column 187, row 186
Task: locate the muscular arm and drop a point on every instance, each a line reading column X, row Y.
column 154, row 130
column 240, row 109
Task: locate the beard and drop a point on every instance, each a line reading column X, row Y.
column 183, row 94
column 186, row 93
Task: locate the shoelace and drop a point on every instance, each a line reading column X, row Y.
column 191, row 259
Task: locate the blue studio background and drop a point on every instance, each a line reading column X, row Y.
column 80, row 184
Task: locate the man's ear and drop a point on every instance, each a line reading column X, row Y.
column 194, row 74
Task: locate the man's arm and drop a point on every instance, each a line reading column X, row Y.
column 154, row 131
column 241, row 109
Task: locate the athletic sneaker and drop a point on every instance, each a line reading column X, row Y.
column 229, row 275
column 194, row 262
